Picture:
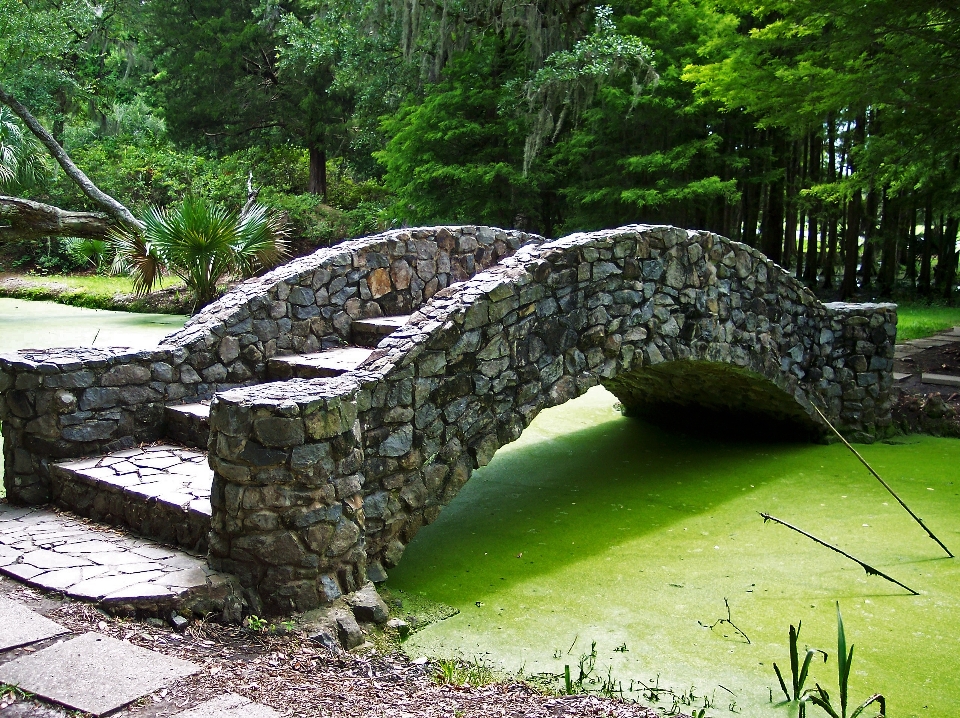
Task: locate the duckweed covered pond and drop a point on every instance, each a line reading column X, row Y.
column 39, row 325
column 595, row 527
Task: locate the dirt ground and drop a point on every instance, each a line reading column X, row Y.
column 295, row 676
column 928, row 408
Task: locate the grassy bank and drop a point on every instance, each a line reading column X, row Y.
column 917, row 320
column 98, row 292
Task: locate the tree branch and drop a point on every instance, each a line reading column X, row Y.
column 25, row 219
column 123, row 215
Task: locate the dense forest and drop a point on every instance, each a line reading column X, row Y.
column 822, row 132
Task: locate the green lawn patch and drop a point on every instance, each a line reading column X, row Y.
column 916, row 320
column 99, row 292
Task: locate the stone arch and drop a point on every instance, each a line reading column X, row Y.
column 363, row 461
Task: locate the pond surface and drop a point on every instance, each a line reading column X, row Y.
column 40, row 325
column 594, row 527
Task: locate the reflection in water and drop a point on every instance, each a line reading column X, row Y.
column 593, row 527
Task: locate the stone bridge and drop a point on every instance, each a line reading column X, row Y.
column 320, row 479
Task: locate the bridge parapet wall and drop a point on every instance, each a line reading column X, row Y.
column 65, row 403
column 302, row 513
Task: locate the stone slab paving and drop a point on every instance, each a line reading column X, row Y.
column 229, row 706
column 158, row 491
column 94, row 673
column 332, row 362
column 940, row 379
column 56, row 552
column 900, row 376
column 19, row 626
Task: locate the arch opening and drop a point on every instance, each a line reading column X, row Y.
column 709, row 398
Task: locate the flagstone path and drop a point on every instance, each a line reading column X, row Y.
column 95, row 673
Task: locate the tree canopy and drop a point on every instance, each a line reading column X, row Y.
column 823, row 134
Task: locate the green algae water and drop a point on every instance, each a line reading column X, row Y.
column 598, row 528
column 41, row 325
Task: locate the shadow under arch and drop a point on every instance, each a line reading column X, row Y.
column 710, row 398
column 534, row 499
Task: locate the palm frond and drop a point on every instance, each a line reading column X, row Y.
column 133, row 255
column 202, row 244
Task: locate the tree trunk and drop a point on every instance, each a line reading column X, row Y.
column 829, row 265
column 814, row 252
column 318, row 171
column 771, row 238
column 926, row 248
column 851, row 244
column 869, row 239
column 912, row 248
column 793, row 180
column 123, row 215
column 24, row 219
column 848, row 285
column 889, row 225
column 751, row 210
column 949, row 258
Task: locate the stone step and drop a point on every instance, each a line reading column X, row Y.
column 370, row 332
column 188, row 424
column 160, row 492
column 331, row 362
column 59, row 552
column 940, row 379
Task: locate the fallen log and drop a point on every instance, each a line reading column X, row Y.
column 26, row 219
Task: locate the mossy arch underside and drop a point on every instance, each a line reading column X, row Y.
column 664, row 318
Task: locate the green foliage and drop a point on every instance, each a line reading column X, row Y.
column 95, row 252
column 457, row 155
column 794, row 693
column 569, row 78
column 202, row 244
column 798, row 696
column 23, row 162
column 819, row 696
column 255, row 623
column 50, row 256
column 456, row 672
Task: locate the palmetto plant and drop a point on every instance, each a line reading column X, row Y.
column 22, row 159
column 202, row 244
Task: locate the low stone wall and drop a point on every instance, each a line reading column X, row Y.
column 66, row 403
column 320, row 483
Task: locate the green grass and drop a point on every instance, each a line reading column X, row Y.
column 96, row 284
column 90, row 291
column 916, row 320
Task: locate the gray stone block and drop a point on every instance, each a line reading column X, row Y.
column 229, row 706
column 94, row 673
column 20, row 626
